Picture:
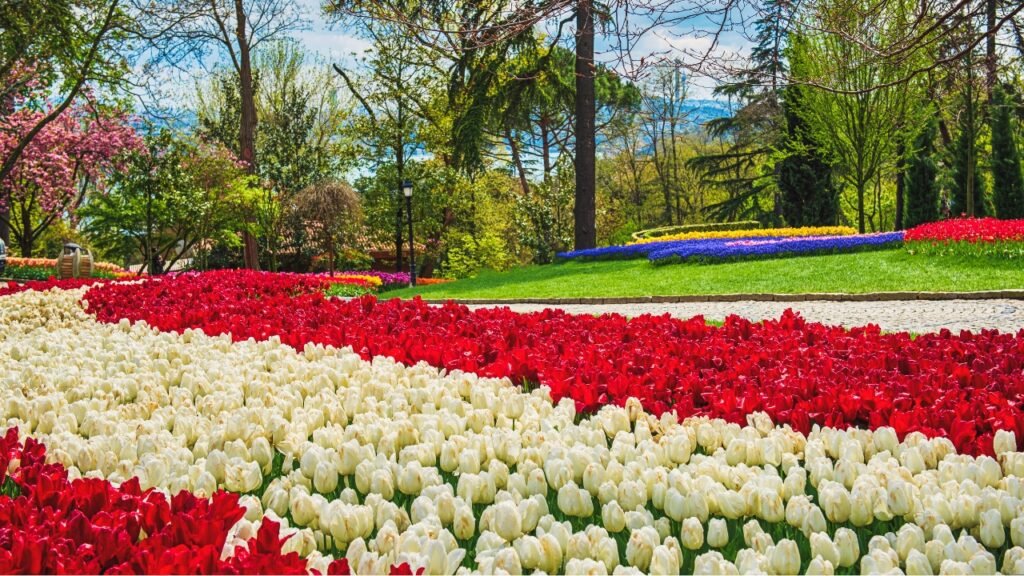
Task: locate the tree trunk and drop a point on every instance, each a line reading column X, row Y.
column 400, row 166
column 27, row 239
column 247, row 127
column 900, row 169
column 585, row 210
column 6, row 108
column 970, row 148
column 991, row 60
column 860, row 206
column 517, row 161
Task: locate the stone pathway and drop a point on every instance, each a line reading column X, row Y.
column 918, row 316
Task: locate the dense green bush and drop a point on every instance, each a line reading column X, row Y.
column 686, row 228
column 467, row 255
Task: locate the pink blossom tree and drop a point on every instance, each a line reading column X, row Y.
column 68, row 157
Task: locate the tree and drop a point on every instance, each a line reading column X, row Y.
column 67, row 157
column 300, row 141
column 51, row 52
column 173, row 196
column 808, row 195
column 967, row 186
column 188, row 29
column 331, row 212
column 478, row 36
column 861, row 124
column 1007, row 182
column 920, row 180
column 752, row 135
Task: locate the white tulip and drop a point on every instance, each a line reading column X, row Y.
column 848, row 545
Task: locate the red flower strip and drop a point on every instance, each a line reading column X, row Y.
column 963, row 387
column 41, row 285
column 973, row 230
column 49, row 524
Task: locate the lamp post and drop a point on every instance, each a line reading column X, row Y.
column 407, row 191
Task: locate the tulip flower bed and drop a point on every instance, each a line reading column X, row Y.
column 760, row 248
column 44, row 268
column 968, row 237
column 963, row 387
column 759, row 232
column 339, row 462
column 743, row 244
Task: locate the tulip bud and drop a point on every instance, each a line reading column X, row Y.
column 507, row 522
column 464, row 525
column 1017, row 531
column 551, row 554
column 910, row 537
column 785, row 557
column 822, row 546
column 606, row 551
column 303, row 509
column 692, row 535
column 917, row 564
column 242, row 476
column 640, row 547
column 1004, row 442
column 992, row 534
column 731, row 505
column 718, row 533
column 613, row 517
column 325, row 477
column 820, row 567
column 664, row 561
column 900, row 499
column 849, row 548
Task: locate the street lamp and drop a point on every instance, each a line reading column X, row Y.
column 407, row 191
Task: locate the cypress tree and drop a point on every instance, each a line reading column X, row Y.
column 1007, row 182
column 966, row 146
column 921, row 189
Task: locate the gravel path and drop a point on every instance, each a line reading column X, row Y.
column 917, row 316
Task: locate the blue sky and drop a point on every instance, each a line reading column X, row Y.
column 335, row 44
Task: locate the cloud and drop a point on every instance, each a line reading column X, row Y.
column 333, row 45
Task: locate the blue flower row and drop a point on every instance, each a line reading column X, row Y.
column 733, row 248
column 755, row 248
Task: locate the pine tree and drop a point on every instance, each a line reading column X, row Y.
column 1007, row 182
column 755, row 130
column 922, row 190
column 804, row 177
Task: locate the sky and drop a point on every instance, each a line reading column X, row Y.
column 336, row 45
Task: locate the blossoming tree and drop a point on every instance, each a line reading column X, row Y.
column 67, row 158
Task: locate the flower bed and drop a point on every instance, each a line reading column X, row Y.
column 411, row 468
column 968, row 237
column 707, row 243
column 44, row 268
column 964, row 387
column 758, row 233
column 762, row 248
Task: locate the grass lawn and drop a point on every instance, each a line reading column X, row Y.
column 882, row 271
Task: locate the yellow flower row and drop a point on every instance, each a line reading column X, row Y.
column 767, row 232
column 52, row 262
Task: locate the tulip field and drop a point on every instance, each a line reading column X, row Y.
column 244, row 422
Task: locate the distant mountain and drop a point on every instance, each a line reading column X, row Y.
column 703, row 110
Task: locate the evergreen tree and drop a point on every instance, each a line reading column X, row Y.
column 922, row 190
column 966, row 147
column 1007, row 183
column 804, row 176
column 756, row 130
